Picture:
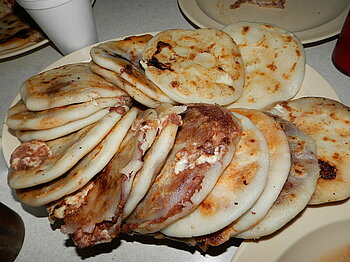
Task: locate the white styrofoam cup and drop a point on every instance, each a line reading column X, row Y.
column 69, row 24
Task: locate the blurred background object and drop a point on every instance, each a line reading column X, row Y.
column 69, row 24
column 341, row 53
column 11, row 233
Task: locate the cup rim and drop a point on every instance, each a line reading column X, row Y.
column 41, row 4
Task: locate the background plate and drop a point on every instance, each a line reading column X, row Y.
column 310, row 20
column 23, row 49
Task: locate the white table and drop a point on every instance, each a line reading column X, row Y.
column 116, row 18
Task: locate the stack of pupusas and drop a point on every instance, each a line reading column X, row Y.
column 247, row 65
column 205, row 151
column 61, row 101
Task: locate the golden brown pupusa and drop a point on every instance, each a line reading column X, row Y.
column 237, row 189
column 328, row 122
column 298, row 188
column 65, row 85
column 195, row 66
column 274, row 61
column 204, row 146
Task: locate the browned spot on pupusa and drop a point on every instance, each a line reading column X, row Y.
column 286, row 76
column 277, row 87
column 299, row 169
column 251, row 100
column 58, row 86
column 175, row 84
column 267, row 26
column 334, row 116
column 292, row 69
column 154, row 62
column 272, row 66
column 161, row 45
column 288, row 39
column 327, row 171
column 326, row 138
column 208, row 206
column 245, row 30
column 127, row 69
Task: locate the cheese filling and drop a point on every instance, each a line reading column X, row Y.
column 184, row 163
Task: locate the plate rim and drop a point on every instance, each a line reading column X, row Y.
column 295, row 230
column 194, row 13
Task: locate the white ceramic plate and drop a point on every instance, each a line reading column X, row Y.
column 317, row 232
column 23, row 49
column 26, row 48
column 311, row 20
column 146, row 249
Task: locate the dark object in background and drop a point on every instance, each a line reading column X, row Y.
column 11, row 234
column 341, row 53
